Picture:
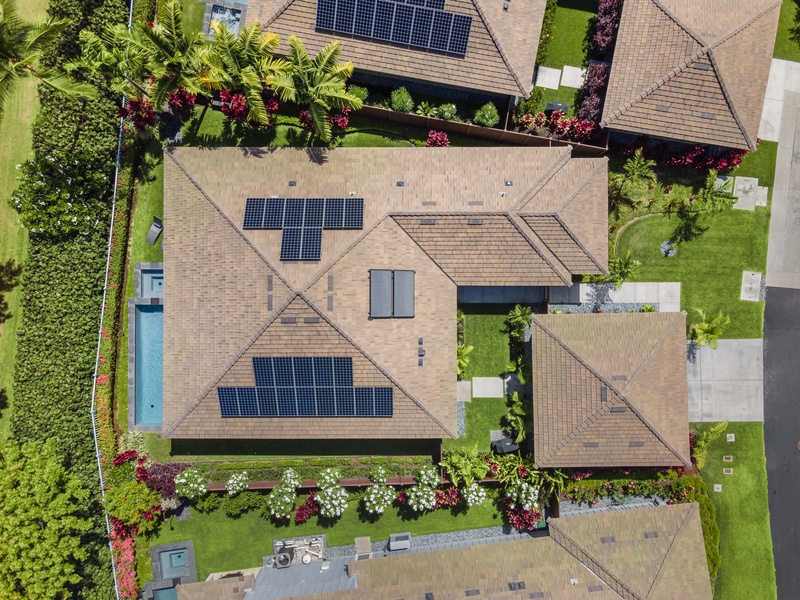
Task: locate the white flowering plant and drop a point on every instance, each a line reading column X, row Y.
column 191, row 484
column 421, row 498
column 280, row 502
column 290, row 479
column 378, row 475
column 474, row 495
column 524, row 494
column 428, row 476
column 237, row 483
column 378, row 498
column 332, row 501
column 329, row 478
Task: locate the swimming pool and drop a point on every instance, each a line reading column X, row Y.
column 169, row 593
column 149, row 361
column 152, row 283
column 174, row 563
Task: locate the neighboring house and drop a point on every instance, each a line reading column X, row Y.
column 640, row 554
column 610, row 390
column 690, row 71
column 312, row 293
column 475, row 45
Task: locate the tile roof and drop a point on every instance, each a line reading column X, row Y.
column 229, row 588
column 638, row 362
column 500, row 57
column 692, row 71
column 230, row 296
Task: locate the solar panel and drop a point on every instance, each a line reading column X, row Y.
column 291, row 243
column 303, row 371
column 228, row 405
column 267, row 401
column 345, row 401
column 254, row 213
column 365, row 403
column 437, row 4
column 295, row 212
column 459, row 34
column 421, row 29
column 262, row 367
column 323, row 371
column 306, row 402
column 334, row 213
column 383, row 401
column 311, row 244
column 273, row 213
column 326, row 403
column 365, row 14
column 326, row 10
column 401, row 30
column 440, row 35
column 384, row 17
column 248, row 406
column 354, row 213
column 343, row 371
column 345, row 14
column 287, row 402
column 314, row 211
column 284, row 371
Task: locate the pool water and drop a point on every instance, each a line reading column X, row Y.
column 165, row 594
column 174, row 563
column 152, row 283
column 149, row 362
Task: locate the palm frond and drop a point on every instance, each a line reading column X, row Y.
column 64, row 84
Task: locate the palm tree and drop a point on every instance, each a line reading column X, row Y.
column 715, row 197
column 319, row 84
column 621, row 269
column 242, row 63
column 21, row 47
column 515, row 417
column 709, row 329
column 618, row 197
column 518, row 319
column 639, row 169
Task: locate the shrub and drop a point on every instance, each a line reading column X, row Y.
column 237, row 483
column 448, row 111
column 594, row 90
column 235, row 506
column 307, row 509
column 378, row 498
column 447, row 498
column 140, row 113
column 524, row 494
column 123, row 548
column 135, row 505
column 521, row 518
column 234, row 106
column 604, row 28
column 401, row 100
column 437, row 139
column 332, row 501
column 547, row 31
column 474, row 495
column 291, row 479
column 359, row 92
column 340, row 119
column 161, row 478
column 378, row 475
column 487, row 115
column 328, row 478
column 426, row 109
column 279, row 504
column 191, row 484
column 421, row 498
column 208, row 503
column 306, row 121
column 428, row 476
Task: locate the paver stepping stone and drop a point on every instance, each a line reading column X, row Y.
column 727, row 471
column 573, row 77
column 744, row 188
column 761, row 195
column 488, row 387
column 717, row 487
column 548, row 78
column 731, row 437
column 499, row 434
column 727, row 458
column 751, row 286
column 463, row 391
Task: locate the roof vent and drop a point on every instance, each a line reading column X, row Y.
column 517, row 585
column 702, row 66
column 608, row 540
column 292, row 183
column 509, row 183
column 618, row 409
column 573, row 581
column 428, row 595
column 311, row 320
column 427, row 221
column 430, row 203
column 472, row 593
column 352, row 193
column 475, row 203
column 474, row 221
column 419, row 362
column 420, row 341
column 591, row 444
column 619, row 378
column 505, row 6
column 537, row 595
column 689, row 46
column 604, row 394
column 288, row 319
column 649, row 535
column 421, row 352
column 662, row 108
column 596, row 588
column 636, row 444
column 705, row 115
column 401, row 183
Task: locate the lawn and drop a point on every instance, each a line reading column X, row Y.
column 483, row 415
column 710, row 267
column 747, row 569
column 193, row 13
column 786, row 47
column 485, row 331
column 222, row 543
column 19, row 112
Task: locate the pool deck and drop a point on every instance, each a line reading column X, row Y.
column 159, row 583
column 137, row 300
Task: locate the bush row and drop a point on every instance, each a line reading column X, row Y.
column 63, row 198
column 604, row 27
column 533, row 103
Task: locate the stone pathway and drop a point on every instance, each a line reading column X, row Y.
column 573, row 77
column 751, row 286
column 548, row 78
column 726, row 384
column 552, row 79
column 747, row 191
column 488, row 387
column 666, row 294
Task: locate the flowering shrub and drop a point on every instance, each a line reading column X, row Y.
column 428, row 476
column 328, row 478
column 378, row 475
column 307, row 509
column 474, row 495
column 594, row 90
column 306, row 121
column 487, row 115
column 237, row 483
column 191, row 484
column 448, row 111
column 234, row 106
column 161, row 478
column 604, row 29
column 698, row 157
column 291, row 479
column 280, row 502
column 521, row 518
column 524, row 494
column 123, row 547
column 378, row 498
column 140, row 113
column 421, row 498
column 135, row 505
column 340, row 119
column 447, row 498
column 578, row 475
column 123, row 457
column 437, row 139
column 181, row 103
column 271, row 105
column 332, row 501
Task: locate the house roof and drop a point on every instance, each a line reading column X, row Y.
column 692, row 71
column 228, row 588
column 500, row 56
column 610, row 390
column 231, row 298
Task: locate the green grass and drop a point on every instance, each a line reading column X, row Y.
column 747, row 569
column 568, row 45
column 786, row 47
column 565, row 95
column 193, row 13
column 484, row 329
column 482, row 416
column 710, row 267
column 222, row 543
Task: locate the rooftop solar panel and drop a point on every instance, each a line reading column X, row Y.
column 326, row 13
column 315, row 208
column 343, row 371
column 262, row 367
column 365, row 402
column 323, row 371
column 421, row 27
column 273, row 213
column 401, row 30
column 354, row 213
column 326, row 402
column 345, row 401
column 248, row 406
column 292, row 243
column 311, row 244
column 228, row 404
column 254, row 213
column 365, row 15
column 459, row 34
column 303, row 371
column 345, row 15
column 334, row 213
column 287, row 402
column 383, row 401
column 267, row 401
column 306, row 402
column 284, row 371
column 295, row 212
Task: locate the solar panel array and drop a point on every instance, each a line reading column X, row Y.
column 302, row 221
column 304, row 387
column 420, row 23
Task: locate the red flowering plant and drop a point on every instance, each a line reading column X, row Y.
column 306, row 120
column 123, row 547
column 161, row 478
column 181, row 103
column 234, row 106
column 307, row 509
column 437, row 139
column 340, row 119
column 520, row 518
column 578, row 475
column 124, row 457
column 140, row 113
column 447, row 498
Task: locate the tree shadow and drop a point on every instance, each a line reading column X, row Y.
column 10, row 277
column 689, row 227
column 794, row 31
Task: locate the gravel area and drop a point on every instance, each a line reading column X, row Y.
column 566, row 506
column 609, row 307
column 762, row 295
column 461, row 419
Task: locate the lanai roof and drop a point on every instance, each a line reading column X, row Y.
column 494, row 216
column 610, row 390
column 500, row 56
column 692, row 71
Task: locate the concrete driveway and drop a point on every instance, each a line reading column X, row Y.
column 726, row 384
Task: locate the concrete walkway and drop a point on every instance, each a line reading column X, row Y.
column 784, row 76
column 726, row 384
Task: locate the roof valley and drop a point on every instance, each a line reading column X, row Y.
column 498, row 45
column 671, row 547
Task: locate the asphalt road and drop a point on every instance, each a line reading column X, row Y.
column 782, row 433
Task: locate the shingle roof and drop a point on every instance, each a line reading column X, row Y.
column 657, row 553
column 230, row 297
column 610, row 390
column 229, row 588
column 692, row 71
column 500, row 56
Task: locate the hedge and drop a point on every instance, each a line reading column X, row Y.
column 63, row 283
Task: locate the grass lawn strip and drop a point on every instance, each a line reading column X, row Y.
column 747, row 569
column 484, row 330
column 483, row 415
column 785, row 47
column 570, row 28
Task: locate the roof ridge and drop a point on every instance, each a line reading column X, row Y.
column 228, row 366
column 169, row 152
column 278, row 12
column 506, row 61
column 731, row 104
column 679, row 22
column 602, row 163
column 580, row 244
column 659, row 342
column 513, row 219
column 692, row 507
column 366, row 355
column 538, row 185
column 583, row 556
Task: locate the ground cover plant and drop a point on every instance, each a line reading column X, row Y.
column 787, row 42
column 747, row 568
